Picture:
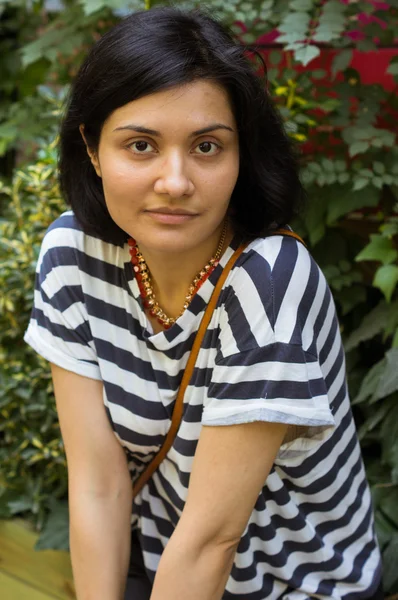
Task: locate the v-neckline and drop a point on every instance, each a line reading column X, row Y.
column 166, row 338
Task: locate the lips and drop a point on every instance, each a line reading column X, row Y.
column 169, row 211
column 176, row 217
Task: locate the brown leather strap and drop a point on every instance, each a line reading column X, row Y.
column 179, row 403
column 288, row 233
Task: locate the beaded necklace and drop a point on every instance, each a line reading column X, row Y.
column 145, row 284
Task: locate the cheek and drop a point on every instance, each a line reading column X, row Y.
column 120, row 178
column 222, row 181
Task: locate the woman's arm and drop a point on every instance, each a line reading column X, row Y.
column 229, row 470
column 100, row 490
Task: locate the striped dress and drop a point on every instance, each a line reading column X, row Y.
column 272, row 352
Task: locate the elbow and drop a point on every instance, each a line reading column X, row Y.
column 227, row 542
column 116, row 493
column 221, row 541
column 101, row 488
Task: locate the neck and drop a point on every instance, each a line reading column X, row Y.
column 172, row 274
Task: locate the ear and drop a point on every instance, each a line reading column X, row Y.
column 93, row 156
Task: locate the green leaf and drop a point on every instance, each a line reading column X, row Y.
column 370, row 382
column 345, row 200
column 388, row 179
column 366, row 173
column 290, row 38
column 327, row 164
column 384, row 529
column 248, row 37
column 314, row 167
column 9, row 498
column 343, row 178
column 350, row 297
column 377, row 416
column 377, row 142
column 331, row 271
column 340, row 166
column 389, row 440
column 388, row 383
column 386, row 279
column 295, row 46
column 341, row 61
column 315, row 219
column 389, row 501
column 394, row 343
column 380, row 248
column 91, row 6
column 301, row 4
column 360, row 183
column 21, row 505
column 379, row 168
column 307, row 54
column 358, row 147
column 334, row 7
column 386, row 137
column 366, row 45
column 275, row 57
column 359, row 133
column 393, row 68
column 41, row 47
column 55, row 534
column 297, row 26
column 272, row 74
column 377, row 182
column 323, row 36
column 294, row 20
column 318, row 74
column 373, row 324
column 390, row 571
column 50, row 44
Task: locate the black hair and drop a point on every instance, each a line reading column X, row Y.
column 150, row 51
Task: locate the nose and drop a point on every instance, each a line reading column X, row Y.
column 173, row 178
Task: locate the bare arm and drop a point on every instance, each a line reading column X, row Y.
column 230, row 468
column 100, row 491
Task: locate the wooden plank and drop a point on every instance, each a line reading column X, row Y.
column 48, row 571
column 12, row 589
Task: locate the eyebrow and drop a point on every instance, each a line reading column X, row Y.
column 140, row 129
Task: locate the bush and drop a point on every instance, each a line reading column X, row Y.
column 31, row 454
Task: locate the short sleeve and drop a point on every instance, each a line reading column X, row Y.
column 278, row 383
column 277, row 325
column 59, row 328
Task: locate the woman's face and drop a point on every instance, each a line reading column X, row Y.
column 169, row 163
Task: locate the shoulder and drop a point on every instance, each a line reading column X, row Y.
column 276, row 253
column 273, row 287
column 64, row 232
column 271, row 263
column 66, row 244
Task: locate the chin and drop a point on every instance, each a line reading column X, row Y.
column 175, row 245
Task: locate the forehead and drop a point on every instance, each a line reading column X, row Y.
column 191, row 105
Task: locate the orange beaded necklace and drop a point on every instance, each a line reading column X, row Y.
column 145, row 284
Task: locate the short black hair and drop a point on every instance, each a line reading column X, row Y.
column 153, row 50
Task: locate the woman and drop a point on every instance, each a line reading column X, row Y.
column 171, row 150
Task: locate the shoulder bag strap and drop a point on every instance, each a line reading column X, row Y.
column 179, row 403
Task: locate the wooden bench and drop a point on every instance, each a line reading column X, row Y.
column 26, row 574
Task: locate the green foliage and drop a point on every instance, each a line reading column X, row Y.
column 55, row 533
column 349, row 167
column 33, row 469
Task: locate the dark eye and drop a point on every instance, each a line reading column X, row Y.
column 208, row 148
column 141, row 147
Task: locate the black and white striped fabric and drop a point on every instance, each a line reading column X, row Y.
column 272, row 352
